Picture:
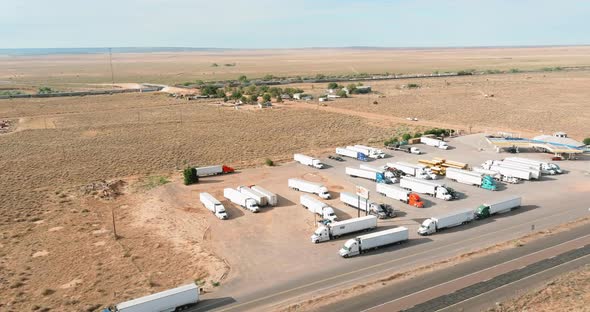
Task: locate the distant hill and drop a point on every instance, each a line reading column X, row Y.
column 56, row 51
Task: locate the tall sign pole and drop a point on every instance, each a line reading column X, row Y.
column 364, row 193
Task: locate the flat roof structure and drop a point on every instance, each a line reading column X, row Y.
column 553, row 147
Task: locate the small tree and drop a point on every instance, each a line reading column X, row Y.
column 342, row 93
column 254, row 98
column 587, row 141
column 243, row 78
column 220, row 93
column 351, row 88
column 406, row 136
column 332, row 85
column 417, row 134
column 266, row 97
column 269, row 162
column 190, row 176
column 279, row 99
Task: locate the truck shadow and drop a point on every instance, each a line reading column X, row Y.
column 545, row 179
column 210, row 304
column 501, row 186
column 207, row 180
column 283, row 201
column 232, row 210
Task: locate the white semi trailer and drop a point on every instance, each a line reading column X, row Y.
column 535, row 172
column 435, row 224
column 425, row 187
column 169, row 300
column 260, row 199
column 213, row 205
column 377, row 153
column 318, row 207
column 308, row 161
column 400, row 194
column 351, row 153
column 512, row 172
column 367, row 174
column 333, row 230
column 243, row 200
column 434, row 142
column 417, row 171
column 381, row 169
column 498, row 206
column 271, row 197
column 213, row 170
column 309, row 187
column 382, row 211
column 545, row 167
column 363, row 243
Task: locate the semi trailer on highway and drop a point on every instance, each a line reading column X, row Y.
column 309, row 187
column 367, row 174
column 472, row 178
column 400, row 194
column 271, row 197
column 351, row 153
column 435, row 224
column 382, row 211
column 369, row 151
column 213, row 170
column 426, row 187
column 175, row 299
column 333, row 230
column 363, row 243
column 318, row 207
column 260, row 199
column 240, row 199
column 308, row 161
column 434, row 142
column 498, row 206
column 213, row 205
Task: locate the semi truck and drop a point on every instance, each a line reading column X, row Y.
column 434, row 142
column 333, row 230
column 382, row 169
column 535, row 172
column 308, row 161
column 271, row 197
column 472, row 178
column 545, row 167
column 405, row 149
column 213, row 170
column 497, row 176
column 169, row 300
column 418, row 171
column 380, row 210
column 512, row 172
column 363, row 243
column 498, row 206
column 309, row 187
column 400, row 194
column 425, row 187
column 352, row 154
column 213, row 205
column 318, row 207
column 435, row 224
column 367, row 174
column 240, row 199
column 370, row 151
column 260, row 199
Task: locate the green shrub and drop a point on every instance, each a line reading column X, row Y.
column 417, row 134
column 514, row 70
column 332, row 85
column 342, row 93
column 406, row 136
column 413, row 85
column 190, row 176
column 587, row 141
column 269, row 162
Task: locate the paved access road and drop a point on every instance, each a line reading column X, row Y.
column 479, row 283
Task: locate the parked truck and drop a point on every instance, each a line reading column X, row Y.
column 309, row 187
column 434, row 142
column 535, row 172
column 367, row 174
column 318, row 207
column 545, row 167
column 405, row 149
column 415, row 170
column 435, row 224
column 213, row 205
column 308, row 161
column 377, row 153
column 333, row 230
column 260, row 199
column 512, row 172
column 363, row 243
column 169, row 300
column 382, row 169
column 271, row 197
column 425, row 187
column 352, row 154
column 240, row 199
column 380, row 210
column 473, row 178
column 213, row 170
column 400, row 194
column 499, row 206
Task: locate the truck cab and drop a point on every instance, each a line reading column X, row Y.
column 414, row 200
column 443, row 193
column 350, row 248
column 323, row 193
column 316, row 163
column 220, row 212
column 482, row 212
column 252, row 205
column 427, row 227
column 321, row 234
column 329, row 214
column 382, row 211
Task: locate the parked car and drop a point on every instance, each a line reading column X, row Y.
column 338, row 158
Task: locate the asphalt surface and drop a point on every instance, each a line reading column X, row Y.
column 479, row 283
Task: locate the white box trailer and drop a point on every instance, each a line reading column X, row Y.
column 435, row 224
column 363, row 243
column 309, row 187
column 393, row 191
column 380, row 169
column 380, row 210
column 271, row 197
column 213, row 205
column 258, row 197
column 318, row 207
column 512, row 172
column 498, row 206
column 168, row 300
column 434, row 142
column 333, row 230
column 240, row 199
column 367, row 174
column 367, row 150
column 213, row 170
column 497, row 176
column 464, row 176
column 545, row 167
column 351, row 153
column 535, row 172
column 425, row 187
column 308, row 161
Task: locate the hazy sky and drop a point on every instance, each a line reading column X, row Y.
column 297, row 23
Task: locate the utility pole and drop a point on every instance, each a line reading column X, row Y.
column 114, row 227
column 111, row 64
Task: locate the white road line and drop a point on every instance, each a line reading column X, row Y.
column 473, row 273
column 518, row 280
